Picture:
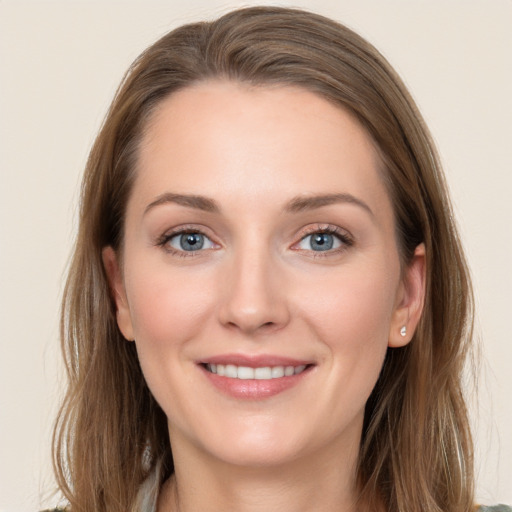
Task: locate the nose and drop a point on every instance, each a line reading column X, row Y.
column 254, row 299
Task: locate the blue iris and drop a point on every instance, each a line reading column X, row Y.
column 321, row 241
column 191, row 241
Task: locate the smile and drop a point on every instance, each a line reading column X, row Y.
column 232, row 371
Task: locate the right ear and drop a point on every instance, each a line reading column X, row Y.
column 117, row 289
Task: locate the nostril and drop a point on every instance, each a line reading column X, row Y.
column 253, row 308
column 265, row 325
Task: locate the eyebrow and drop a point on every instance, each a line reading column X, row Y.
column 191, row 201
column 299, row 204
column 295, row 205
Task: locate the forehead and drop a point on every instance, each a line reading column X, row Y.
column 225, row 138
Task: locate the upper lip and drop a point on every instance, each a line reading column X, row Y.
column 255, row 360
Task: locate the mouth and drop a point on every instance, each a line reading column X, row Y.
column 232, row 371
column 256, row 377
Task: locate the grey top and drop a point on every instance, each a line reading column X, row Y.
column 482, row 508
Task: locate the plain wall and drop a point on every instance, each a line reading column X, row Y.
column 60, row 63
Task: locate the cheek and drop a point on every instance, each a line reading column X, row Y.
column 354, row 308
column 167, row 308
column 351, row 314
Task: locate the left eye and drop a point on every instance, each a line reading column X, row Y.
column 188, row 241
column 320, row 242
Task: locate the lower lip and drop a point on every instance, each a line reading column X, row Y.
column 254, row 389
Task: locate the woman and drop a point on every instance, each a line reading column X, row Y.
column 268, row 306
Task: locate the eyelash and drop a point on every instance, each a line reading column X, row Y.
column 163, row 241
column 343, row 237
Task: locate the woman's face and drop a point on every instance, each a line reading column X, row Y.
column 260, row 274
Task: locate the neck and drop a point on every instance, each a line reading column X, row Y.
column 323, row 481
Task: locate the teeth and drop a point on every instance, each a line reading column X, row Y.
column 231, row 371
column 261, row 373
column 245, row 373
column 277, row 371
column 264, row 373
column 289, row 371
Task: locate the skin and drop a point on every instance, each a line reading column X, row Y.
column 259, row 287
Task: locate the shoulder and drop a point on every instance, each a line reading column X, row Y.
column 495, row 508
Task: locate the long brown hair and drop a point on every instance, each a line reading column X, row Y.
column 111, row 436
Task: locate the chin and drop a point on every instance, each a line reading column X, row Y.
column 249, row 442
column 258, row 454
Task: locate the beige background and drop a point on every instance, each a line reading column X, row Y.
column 60, row 63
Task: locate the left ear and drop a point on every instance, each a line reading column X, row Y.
column 410, row 300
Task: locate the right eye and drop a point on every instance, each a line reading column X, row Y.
column 189, row 241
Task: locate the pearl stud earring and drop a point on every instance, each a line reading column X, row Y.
column 403, row 331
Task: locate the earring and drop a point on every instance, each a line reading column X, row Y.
column 403, row 331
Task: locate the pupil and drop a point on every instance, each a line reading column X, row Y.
column 322, row 242
column 191, row 241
